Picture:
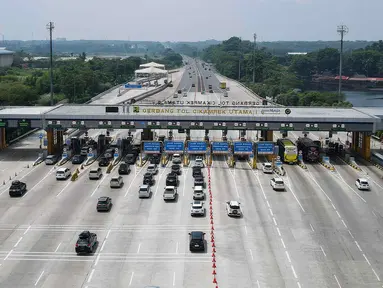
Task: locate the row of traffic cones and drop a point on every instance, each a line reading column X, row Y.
column 212, row 230
column 10, row 178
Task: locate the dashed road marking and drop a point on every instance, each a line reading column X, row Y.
column 90, row 276
column 38, row 279
column 321, row 248
column 312, row 228
column 131, row 279
column 337, row 281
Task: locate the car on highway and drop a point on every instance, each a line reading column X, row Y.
column 155, row 159
column 227, row 88
column 152, row 168
column 144, row 191
column 197, row 173
column 131, row 158
column 179, row 91
column 52, row 159
column 207, row 77
column 362, row 184
column 199, row 181
column 198, row 193
column 277, row 183
column 123, row 169
column 176, row 168
column 225, row 94
column 104, row 204
column 175, row 96
column 199, row 162
column 109, row 153
column 148, row 179
column 197, row 209
column 95, row 173
column 17, row 188
column 116, row 182
column 176, row 159
column 185, row 94
column 196, row 241
column 63, row 173
column 172, row 179
column 267, row 168
column 210, row 86
column 78, row 159
column 193, row 85
column 233, row 208
column 170, row 193
column 103, row 162
column 86, row 243
column 211, row 91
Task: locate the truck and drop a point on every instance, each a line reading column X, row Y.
column 288, row 152
column 222, row 85
column 310, row 150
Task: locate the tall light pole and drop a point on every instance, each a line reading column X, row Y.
column 50, row 27
column 239, row 61
column 255, row 40
column 342, row 30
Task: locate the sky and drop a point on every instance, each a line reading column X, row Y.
column 191, row 20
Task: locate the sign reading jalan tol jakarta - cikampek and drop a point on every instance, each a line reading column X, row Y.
column 142, row 110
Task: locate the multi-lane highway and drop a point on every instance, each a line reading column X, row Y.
column 320, row 232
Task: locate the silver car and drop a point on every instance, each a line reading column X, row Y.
column 198, row 193
column 197, row 209
column 116, row 182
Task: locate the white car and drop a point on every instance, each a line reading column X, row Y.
column 144, row 191
column 152, row 168
column 185, row 94
column 277, row 184
column 199, row 162
column 267, row 168
column 362, row 184
column 175, row 96
column 95, row 173
column 170, row 193
column 197, row 209
column 116, row 182
column 198, row 193
column 63, row 173
column 176, row 159
column 233, row 208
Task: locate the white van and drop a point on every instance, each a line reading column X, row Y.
column 63, row 173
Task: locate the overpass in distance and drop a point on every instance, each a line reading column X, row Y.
column 320, row 232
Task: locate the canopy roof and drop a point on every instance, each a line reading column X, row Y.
column 151, row 70
column 152, row 64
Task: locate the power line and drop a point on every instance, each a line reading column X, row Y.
column 50, row 27
column 342, row 30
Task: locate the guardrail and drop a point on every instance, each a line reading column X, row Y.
column 146, row 94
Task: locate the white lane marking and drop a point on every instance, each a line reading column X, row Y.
column 288, row 256
column 337, row 213
column 349, row 232
column 259, row 286
column 174, row 278
column 102, row 246
column 357, row 245
column 58, row 246
column 26, row 231
column 333, row 206
column 268, row 204
column 38, row 279
column 295, row 196
column 159, row 179
column 312, row 228
column 38, row 183
column 134, row 178
column 131, row 279
column 321, row 248
column 352, row 189
column 295, row 274
column 245, row 229
column 64, row 188
column 98, row 185
column 90, row 276
column 275, row 221
column 299, row 285
column 271, row 212
column 233, row 176
column 320, row 187
column 183, row 189
column 374, row 213
column 283, row 243
column 377, row 277
column 97, row 259
column 177, row 248
column 138, row 249
column 279, row 232
column 251, row 254
column 336, row 279
column 344, row 223
column 17, row 243
column 9, row 253
column 364, row 255
column 107, row 235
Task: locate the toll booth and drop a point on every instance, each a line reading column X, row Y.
column 75, row 145
column 101, row 144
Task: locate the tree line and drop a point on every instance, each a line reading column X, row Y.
column 75, row 81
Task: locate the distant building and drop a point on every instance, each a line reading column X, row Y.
column 6, row 57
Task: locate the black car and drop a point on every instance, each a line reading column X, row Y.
column 131, row 158
column 211, row 91
column 123, row 169
column 17, row 188
column 196, row 241
column 78, row 159
column 179, row 92
column 193, row 85
column 172, row 180
column 197, row 173
column 155, row 159
column 104, row 204
column 148, row 179
column 199, row 181
column 103, row 162
column 176, row 169
column 86, row 243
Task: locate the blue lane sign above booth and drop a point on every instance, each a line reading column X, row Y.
column 152, row 147
column 197, row 147
column 243, row 147
column 174, row 146
column 133, row 86
column 220, row 147
column 265, row 148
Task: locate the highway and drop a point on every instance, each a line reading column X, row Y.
column 320, row 232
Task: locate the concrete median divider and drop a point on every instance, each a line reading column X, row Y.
column 326, row 163
column 38, row 161
column 75, row 175
column 302, row 165
column 353, row 164
column 280, row 171
column 110, row 168
column 90, row 160
column 63, row 161
column 186, row 161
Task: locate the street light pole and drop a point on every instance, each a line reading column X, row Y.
column 342, row 30
column 255, row 40
column 239, row 61
column 50, row 27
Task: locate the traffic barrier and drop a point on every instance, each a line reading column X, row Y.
column 90, row 160
column 328, row 165
column 377, row 165
column 354, row 165
column 109, row 169
column 74, row 176
column 280, row 171
column 38, row 161
column 302, row 165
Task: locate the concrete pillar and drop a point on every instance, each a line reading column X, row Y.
column 50, row 138
column 60, row 141
column 267, row 135
column 366, row 143
column 3, row 142
column 355, row 141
